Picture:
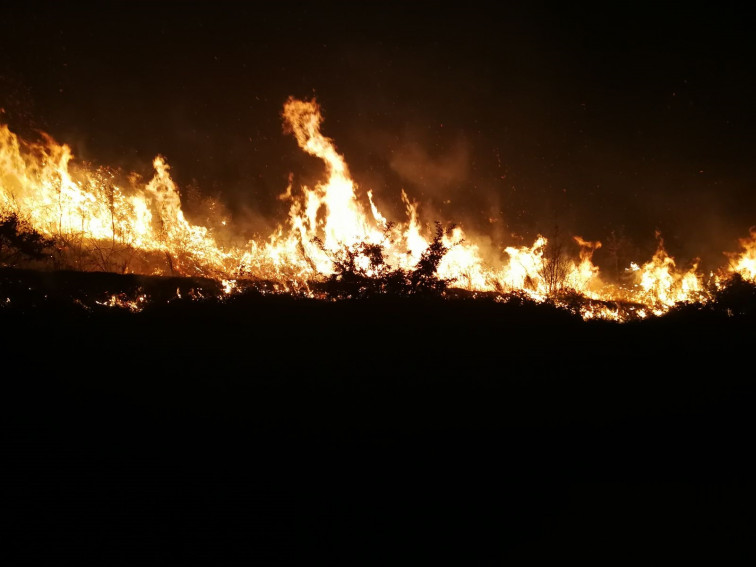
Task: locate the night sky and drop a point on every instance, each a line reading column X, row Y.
column 511, row 120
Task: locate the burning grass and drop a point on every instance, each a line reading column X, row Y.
column 60, row 215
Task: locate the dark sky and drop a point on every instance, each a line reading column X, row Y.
column 623, row 116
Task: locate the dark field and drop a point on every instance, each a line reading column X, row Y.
column 382, row 431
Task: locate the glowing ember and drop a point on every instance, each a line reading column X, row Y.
column 122, row 301
column 99, row 222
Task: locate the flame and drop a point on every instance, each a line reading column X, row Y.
column 744, row 263
column 101, row 221
column 662, row 285
column 97, row 223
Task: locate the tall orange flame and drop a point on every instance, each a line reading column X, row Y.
column 101, row 223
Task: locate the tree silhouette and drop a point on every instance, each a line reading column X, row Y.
column 555, row 264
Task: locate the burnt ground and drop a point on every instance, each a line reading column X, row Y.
column 289, row 431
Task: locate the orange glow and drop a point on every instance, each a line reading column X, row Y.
column 101, row 222
column 745, row 262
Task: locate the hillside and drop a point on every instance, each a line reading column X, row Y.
column 260, row 426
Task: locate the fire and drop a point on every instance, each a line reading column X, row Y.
column 97, row 223
column 100, row 221
column 122, row 301
column 745, row 262
column 662, row 285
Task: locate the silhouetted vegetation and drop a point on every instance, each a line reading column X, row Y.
column 556, row 264
column 737, row 298
column 28, row 290
column 20, row 242
column 362, row 271
column 734, row 299
column 203, row 411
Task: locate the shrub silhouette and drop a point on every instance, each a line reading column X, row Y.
column 20, row 242
column 424, row 277
column 362, row 271
column 737, row 297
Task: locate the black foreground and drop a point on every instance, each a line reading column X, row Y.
column 278, row 430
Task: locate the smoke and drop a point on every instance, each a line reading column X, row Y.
column 440, row 175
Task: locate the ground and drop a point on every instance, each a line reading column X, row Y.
column 370, row 432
